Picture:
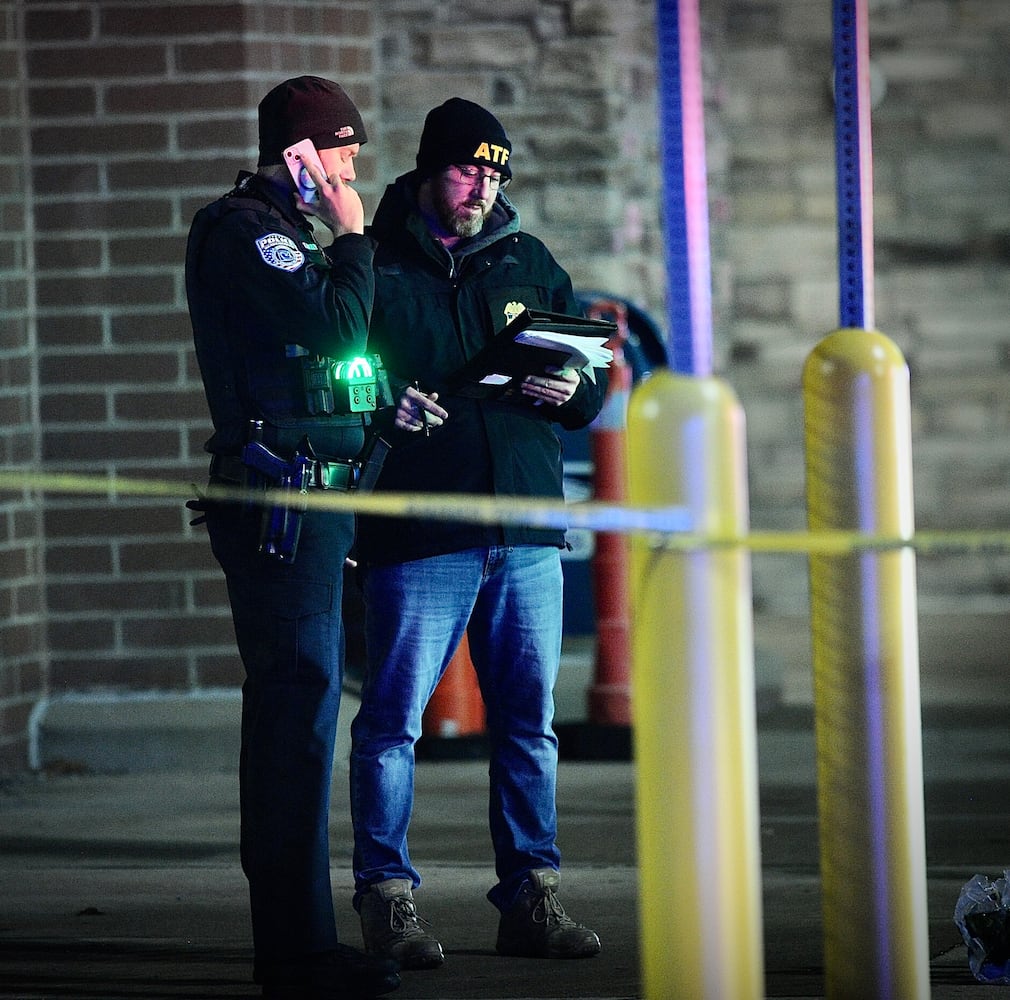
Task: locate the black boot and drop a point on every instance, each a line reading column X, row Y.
column 343, row 974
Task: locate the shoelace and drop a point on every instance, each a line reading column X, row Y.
column 549, row 910
column 403, row 918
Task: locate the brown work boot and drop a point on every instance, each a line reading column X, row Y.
column 391, row 927
column 537, row 926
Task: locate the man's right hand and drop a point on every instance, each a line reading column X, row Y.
column 418, row 411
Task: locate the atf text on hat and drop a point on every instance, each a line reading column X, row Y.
column 460, row 131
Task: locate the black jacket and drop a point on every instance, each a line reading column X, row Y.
column 433, row 311
column 261, row 294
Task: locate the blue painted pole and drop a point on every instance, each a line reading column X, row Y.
column 692, row 643
column 685, row 191
column 853, row 163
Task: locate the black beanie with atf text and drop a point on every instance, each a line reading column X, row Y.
column 460, row 131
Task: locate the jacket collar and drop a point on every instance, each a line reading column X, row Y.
column 398, row 212
column 249, row 185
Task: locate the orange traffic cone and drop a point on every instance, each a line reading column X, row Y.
column 456, row 708
column 609, row 698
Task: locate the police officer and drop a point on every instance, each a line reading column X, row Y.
column 271, row 311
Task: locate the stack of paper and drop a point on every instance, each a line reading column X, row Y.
column 583, row 352
column 530, row 345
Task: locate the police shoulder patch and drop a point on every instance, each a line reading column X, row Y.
column 280, row 251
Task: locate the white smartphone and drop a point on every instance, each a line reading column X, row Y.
column 294, row 157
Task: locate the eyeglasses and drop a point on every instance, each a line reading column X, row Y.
column 472, row 176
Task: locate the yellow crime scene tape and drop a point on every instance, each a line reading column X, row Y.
column 666, row 527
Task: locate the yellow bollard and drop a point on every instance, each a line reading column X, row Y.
column 866, row 679
column 693, row 700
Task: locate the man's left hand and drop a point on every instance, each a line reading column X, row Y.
column 555, row 388
column 338, row 206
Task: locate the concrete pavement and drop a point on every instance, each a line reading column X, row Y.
column 125, row 885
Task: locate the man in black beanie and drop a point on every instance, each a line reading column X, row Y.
column 271, row 311
column 453, row 268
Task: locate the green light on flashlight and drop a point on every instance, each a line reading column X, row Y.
column 356, row 368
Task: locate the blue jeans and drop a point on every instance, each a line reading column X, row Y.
column 508, row 601
column 290, row 636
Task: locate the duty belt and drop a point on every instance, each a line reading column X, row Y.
column 323, row 474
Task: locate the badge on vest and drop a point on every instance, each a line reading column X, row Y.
column 280, row 251
column 512, row 309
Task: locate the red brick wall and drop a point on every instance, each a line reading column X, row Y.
column 22, row 643
column 135, row 114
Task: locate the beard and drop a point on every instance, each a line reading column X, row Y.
column 461, row 219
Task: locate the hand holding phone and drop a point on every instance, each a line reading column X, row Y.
column 334, row 202
column 295, row 157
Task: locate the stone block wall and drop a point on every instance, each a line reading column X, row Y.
column 574, row 85
column 942, row 292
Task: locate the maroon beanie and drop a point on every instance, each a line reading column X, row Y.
column 307, row 107
column 460, row 131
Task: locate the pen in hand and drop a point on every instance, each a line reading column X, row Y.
column 424, row 413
